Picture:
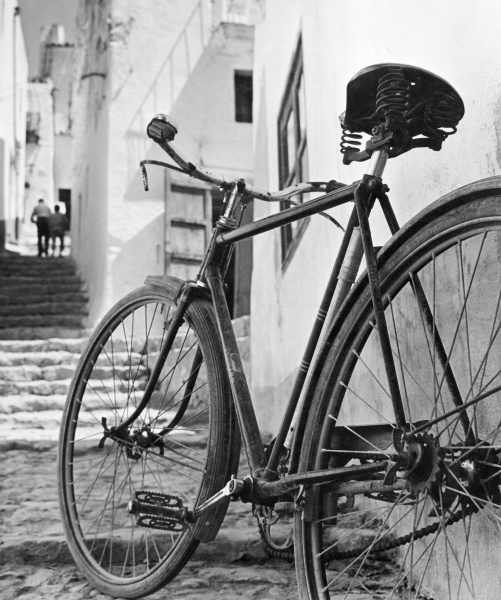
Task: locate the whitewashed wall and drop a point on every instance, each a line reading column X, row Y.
column 124, row 77
column 458, row 41
column 13, row 86
column 40, row 156
column 135, row 60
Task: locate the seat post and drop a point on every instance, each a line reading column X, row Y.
column 378, row 162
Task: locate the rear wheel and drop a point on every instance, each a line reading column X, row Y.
column 178, row 452
column 430, row 527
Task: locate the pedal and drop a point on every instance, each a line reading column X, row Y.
column 159, row 511
column 159, row 499
column 161, row 523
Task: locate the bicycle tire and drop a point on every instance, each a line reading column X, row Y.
column 437, row 532
column 99, row 474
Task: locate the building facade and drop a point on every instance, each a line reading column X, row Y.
column 309, row 50
column 13, row 92
column 48, row 128
column 133, row 61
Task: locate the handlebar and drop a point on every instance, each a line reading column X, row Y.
column 162, row 130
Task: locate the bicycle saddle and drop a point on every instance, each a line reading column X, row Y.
column 424, row 102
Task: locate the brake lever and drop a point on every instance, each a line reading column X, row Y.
column 159, row 164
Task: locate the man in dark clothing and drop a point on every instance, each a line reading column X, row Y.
column 40, row 216
column 58, row 226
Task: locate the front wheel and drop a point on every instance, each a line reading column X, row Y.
column 177, row 453
column 430, row 525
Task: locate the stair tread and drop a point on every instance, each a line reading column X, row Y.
column 42, row 333
column 52, row 344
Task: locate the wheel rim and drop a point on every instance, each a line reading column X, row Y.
column 102, row 473
column 454, row 487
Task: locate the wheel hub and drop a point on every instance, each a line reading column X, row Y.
column 423, row 460
column 136, row 442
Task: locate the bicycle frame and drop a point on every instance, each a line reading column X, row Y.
column 264, row 482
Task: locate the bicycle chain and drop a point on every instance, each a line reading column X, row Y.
column 402, row 540
column 287, row 555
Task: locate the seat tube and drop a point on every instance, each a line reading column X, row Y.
column 371, row 182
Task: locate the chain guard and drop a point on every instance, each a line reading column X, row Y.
column 268, row 516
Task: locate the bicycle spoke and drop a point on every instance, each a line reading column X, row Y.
column 110, row 465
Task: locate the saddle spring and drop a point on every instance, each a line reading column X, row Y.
column 350, row 142
column 393, row 94
column 443, row 110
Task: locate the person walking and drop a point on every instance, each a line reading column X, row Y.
column 40, row 216
column 58, row 226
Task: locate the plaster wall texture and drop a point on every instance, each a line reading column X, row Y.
column 62, row 163
column 137, row 59
column 90, row 147
column 62, row 77
column 458, row 43
column 13, row 85
column 205, row 109
column 62, row 74
column 143, row 84
column 40, row 155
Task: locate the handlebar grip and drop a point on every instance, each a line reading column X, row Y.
column 161, row 129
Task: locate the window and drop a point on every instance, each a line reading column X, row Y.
column 243, row 96
column 293, row 157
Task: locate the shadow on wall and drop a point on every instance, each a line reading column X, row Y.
column 155, row 174
column 142, row 255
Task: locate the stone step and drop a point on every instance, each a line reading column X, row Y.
column 38, row 359
column 34, row 388
column 32, row 298
column 47, row 321
column 48, row 420
column 41, row 266
column 57, row 358
column 41, row 333
column 31, row 403
column 41, row 288
column 12, row 279
column 12, row 257
column 45, row 308
column 102, row 372
column 70, row 345
column 45, row 425
column 27, row 372
column 34, row 264
column 49, row 387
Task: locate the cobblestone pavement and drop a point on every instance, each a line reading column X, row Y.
column 36, row 565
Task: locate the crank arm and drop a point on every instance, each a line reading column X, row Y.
column 256, row 490
column 233, row 489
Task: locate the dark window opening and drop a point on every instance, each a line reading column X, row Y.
column 32, row 128
column 64, row 197
column 243, row 96
column 292, row 146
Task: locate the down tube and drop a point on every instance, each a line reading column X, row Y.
column 241, row 395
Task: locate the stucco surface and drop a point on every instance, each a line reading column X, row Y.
column 458, row 43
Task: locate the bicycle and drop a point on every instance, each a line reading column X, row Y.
column 395, row 452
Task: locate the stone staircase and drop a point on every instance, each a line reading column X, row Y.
column 40, row 298
column 43, row 308
column 42, row 334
